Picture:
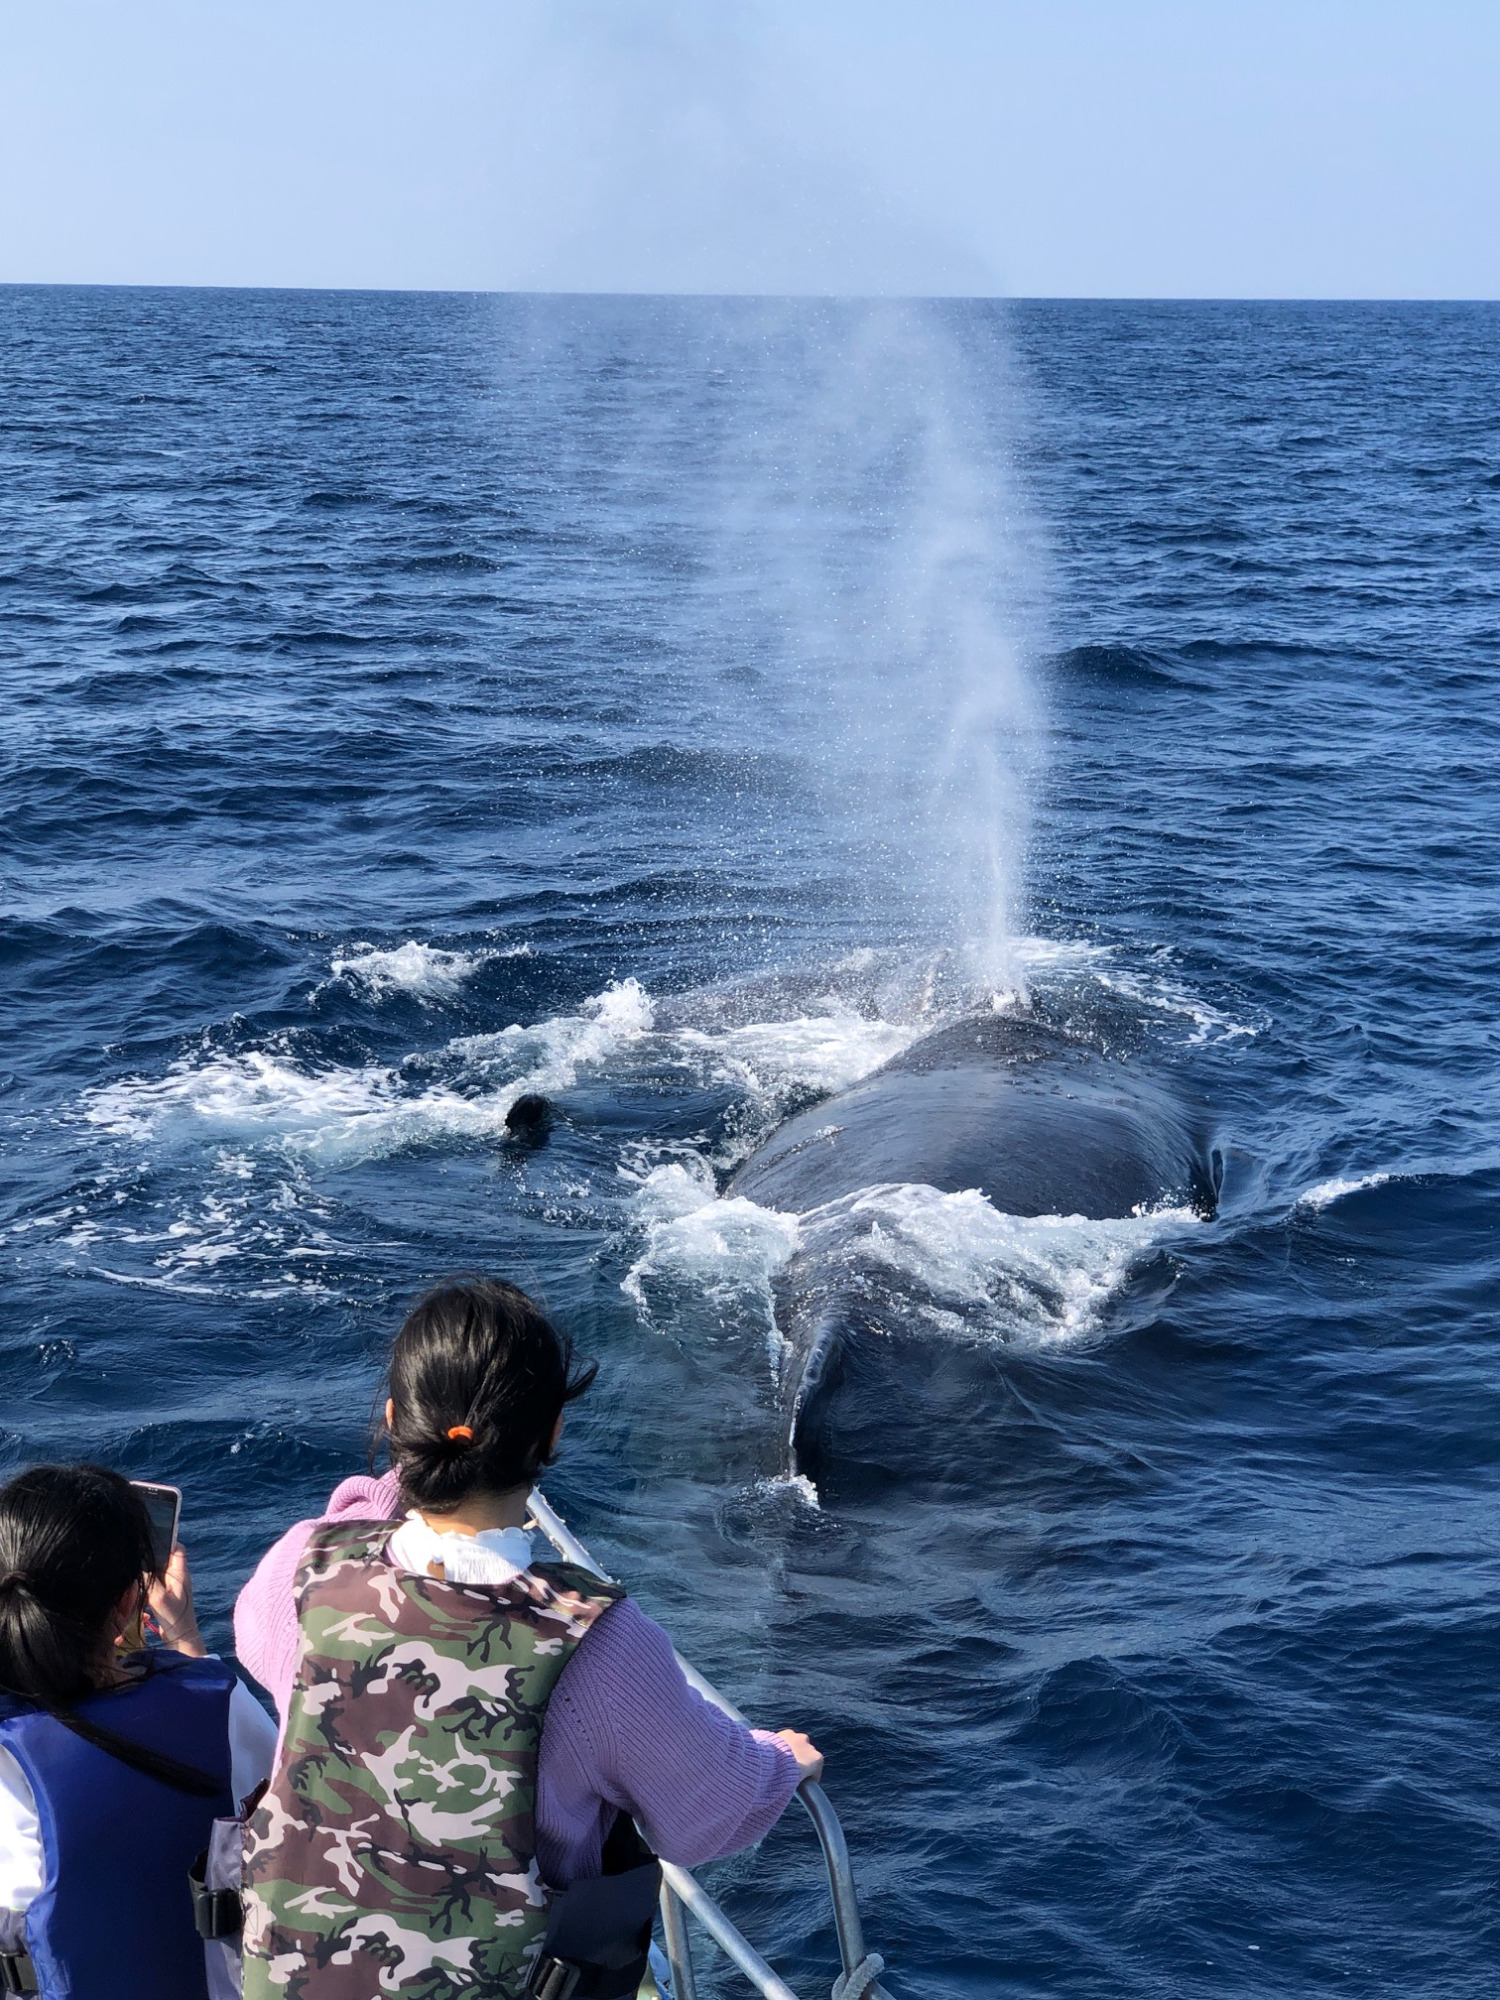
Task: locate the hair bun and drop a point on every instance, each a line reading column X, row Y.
column 478, row 1379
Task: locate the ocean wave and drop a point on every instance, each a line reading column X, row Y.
column 1043, row 1279
column 793, row 1488
column 773, row 1048
column 727, row 1250
column 420, row 969
column 762, row 1055
column 555, row 1050
column 908, row 994
column 249, row 1225
column 1324, row 1193
column 777, row 1066
column 1164, row 994
column 1123, row 666
column 342, row 1117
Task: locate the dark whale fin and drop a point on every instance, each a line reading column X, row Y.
column 822, row 1373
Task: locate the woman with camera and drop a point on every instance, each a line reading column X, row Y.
column 115, row 1758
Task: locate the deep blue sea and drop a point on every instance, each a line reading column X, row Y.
column 677, row 707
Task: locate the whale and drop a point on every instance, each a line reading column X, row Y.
column 1040, row 1120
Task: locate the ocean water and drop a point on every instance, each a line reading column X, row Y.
column 677, row 707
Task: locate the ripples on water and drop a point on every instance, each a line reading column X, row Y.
column 386, row 732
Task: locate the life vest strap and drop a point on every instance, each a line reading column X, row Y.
column 17, row 1973
column 141, row 1757
column 217, row 1913
column 599, row 1934
column 552, row 1979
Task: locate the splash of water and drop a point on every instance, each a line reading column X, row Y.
column 875, row 552
column 870, row 565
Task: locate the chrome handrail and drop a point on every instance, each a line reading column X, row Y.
column 681, row 1891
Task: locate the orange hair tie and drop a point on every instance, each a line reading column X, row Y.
column 462, row 1431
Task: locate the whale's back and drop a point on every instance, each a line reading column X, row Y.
column 1038, row 1128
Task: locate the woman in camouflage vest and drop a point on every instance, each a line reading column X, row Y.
column 457, row 1715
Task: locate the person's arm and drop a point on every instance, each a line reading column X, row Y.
column 252, row 1743
column 23, row 1864
column 265, row 1613
column 252, row 1733
column 625, row 1730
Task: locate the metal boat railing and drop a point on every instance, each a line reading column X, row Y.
column 682, row 1893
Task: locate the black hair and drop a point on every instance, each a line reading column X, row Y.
column 478, row 1358
column 73, row 1539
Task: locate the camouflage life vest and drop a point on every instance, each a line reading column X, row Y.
column 395, row 1851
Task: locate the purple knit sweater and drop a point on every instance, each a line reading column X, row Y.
column 623, row 1730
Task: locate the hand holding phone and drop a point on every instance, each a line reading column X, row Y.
column 171, row 1596
column 172, row 1611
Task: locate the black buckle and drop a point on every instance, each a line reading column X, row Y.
column 552, row 1979
column 217, row 1913
column 17, row 1973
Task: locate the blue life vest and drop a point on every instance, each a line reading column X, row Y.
column 114, row 1920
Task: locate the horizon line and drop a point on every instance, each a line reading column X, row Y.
column 766, row 297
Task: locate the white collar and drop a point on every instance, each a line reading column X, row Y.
column 494, row 1555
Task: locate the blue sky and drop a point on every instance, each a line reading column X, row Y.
column 1044, row 147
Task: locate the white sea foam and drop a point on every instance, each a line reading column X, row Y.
column 551, row 1054
column 1163, row 994
column 1045, row 954
column 1045, row 960
column 1324, row 1193
column 1045, row 1277
column 726, row 1250
column 255, row 1094
column 339, row 1117
column 773, row 1061
column 914, row 993
column 1042, row 1278
column 793, row 1486
column 250, row 1224
column 420, row 969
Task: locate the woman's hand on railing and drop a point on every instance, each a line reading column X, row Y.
column 809, row 1757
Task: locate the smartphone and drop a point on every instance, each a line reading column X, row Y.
column 164, row 1505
